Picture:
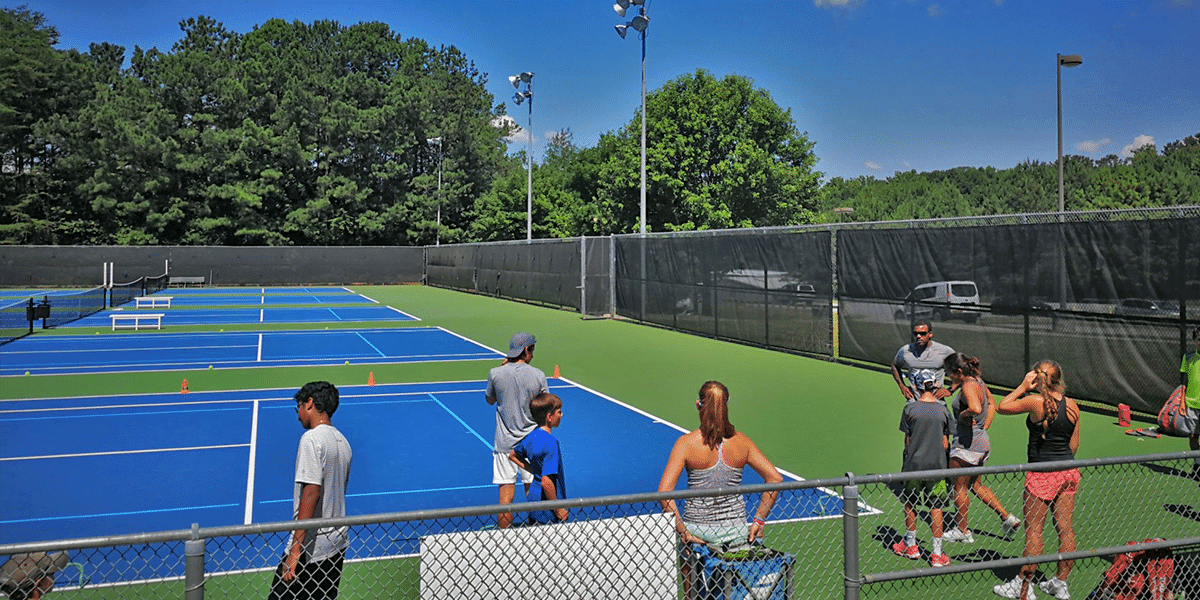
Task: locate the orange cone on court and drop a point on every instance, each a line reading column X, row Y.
column 183, row 389
column 557, row 375
column 371, row 378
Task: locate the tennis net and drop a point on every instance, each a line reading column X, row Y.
column 120, row 293
column 14, row 321
column 70, row 307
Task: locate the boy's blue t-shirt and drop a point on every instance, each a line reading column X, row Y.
column 541, row 452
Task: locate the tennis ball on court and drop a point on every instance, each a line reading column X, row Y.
column 222, row 331
column 209, row 367
column 26, row 373
column 347, row 362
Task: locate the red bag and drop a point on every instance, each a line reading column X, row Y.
column 1173, row 418
column 1141, row 575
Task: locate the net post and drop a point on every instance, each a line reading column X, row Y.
column 193, row 581
column 851, row 577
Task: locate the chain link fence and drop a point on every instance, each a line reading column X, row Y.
column 830, row 538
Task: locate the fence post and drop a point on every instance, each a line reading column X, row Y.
column 851, row 579
column 193, row 579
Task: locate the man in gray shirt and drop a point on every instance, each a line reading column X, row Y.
column 510, row 387
column 312, row 566
column 920, row 356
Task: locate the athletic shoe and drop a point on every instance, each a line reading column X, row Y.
column 939, row 560
column 955, row 534
column 1056, row 587
column 1011, row 525
column 903, row 549
column 1012, row 589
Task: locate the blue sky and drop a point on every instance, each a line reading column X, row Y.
column 880, row 85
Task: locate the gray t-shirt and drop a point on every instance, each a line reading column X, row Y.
column 513, row 385
column 323, row 458
column 925, row 423
column 912, row 359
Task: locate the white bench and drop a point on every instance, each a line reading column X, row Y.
column 137, row 319
column 153, row 301
column 185, row 281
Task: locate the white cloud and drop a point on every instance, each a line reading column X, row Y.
column 871, row 165
column 833, row 3
column 1092, row 145
column 1138, row 142
column 935, row 11
column 517, row 133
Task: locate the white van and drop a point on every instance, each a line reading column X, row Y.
column 940, row 301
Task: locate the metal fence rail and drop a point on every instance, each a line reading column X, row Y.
column 832, row 538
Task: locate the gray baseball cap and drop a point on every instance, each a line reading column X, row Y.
column 519, row 342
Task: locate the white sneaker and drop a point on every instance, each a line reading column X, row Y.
column 1011, row 525
column 1056, row 587
column 1012, row 589
column 954, row 534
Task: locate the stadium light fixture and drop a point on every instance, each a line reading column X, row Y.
column 639, row 24
column 1068, row 61
column 526, row 77
column 438, row 234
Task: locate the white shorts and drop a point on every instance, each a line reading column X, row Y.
column 506, row 471
column 975, row 459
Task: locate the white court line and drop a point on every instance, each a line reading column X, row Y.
column 413, row 317
column 261, row 312
column 124, row 452
column 249, row 517
column 461, row 422
column 259, row 358
column 112, row 406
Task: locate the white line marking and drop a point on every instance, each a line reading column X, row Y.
column 259, row 358
column 249, row 518
column 261, row 312
column 123, row 452
column 463, row 423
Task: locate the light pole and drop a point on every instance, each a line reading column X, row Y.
column 1069, row 61
column 639, row 24
column 526, row 77
column 438, row 234
column 1060, row 61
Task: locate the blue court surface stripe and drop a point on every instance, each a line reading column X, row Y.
column 181, row 351
column 252, row 291
column 259, row 300
column 231, row 316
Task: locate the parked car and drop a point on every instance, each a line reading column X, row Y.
column 801, row 294
column 1139, row 307
column 940, row 301
column 1019, row 305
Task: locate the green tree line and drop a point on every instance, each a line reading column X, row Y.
column 324, row 134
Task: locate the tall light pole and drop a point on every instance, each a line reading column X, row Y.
column 526, row 77
column 639, row 24
column 1060, row 61
column 1069, row 61
column 438, row 235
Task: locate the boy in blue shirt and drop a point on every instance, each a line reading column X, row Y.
column 540, row 454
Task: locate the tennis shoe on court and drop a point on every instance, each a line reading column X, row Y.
column 901, row 548
column 955, row 534
column 939, row 560
column 1056, row 587
column 1010, row 526
column 1012, row 589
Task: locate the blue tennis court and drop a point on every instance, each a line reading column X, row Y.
column 116, row 464
column 254, row 291
column 261, row 299
column 233, row 316
column 44, row 355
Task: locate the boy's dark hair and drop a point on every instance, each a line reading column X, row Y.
column 324, row 396
column 542, row 405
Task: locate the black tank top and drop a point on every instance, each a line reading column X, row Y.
column 1056, row 443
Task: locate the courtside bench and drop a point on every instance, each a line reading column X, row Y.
column 185, row 281
column 133, row 320
column 153, row 301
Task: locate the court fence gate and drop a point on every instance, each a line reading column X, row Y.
column 831, row 538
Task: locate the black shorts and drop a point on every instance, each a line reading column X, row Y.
column 314, row 580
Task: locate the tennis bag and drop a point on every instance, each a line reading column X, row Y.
column 750, row 573
column 1173, row 417
column 1141, row 575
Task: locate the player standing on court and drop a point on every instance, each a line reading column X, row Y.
column 1190, row 374
column 510, row 387
column 920, row 356
column 312, row 567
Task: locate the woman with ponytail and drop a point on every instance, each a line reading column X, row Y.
column 714, row 456
column 1053, row 424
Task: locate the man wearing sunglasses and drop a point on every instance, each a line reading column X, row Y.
column 921, row 355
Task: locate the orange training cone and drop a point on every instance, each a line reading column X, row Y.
column 183, row 389
column 557, row 375
column 371, row 378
